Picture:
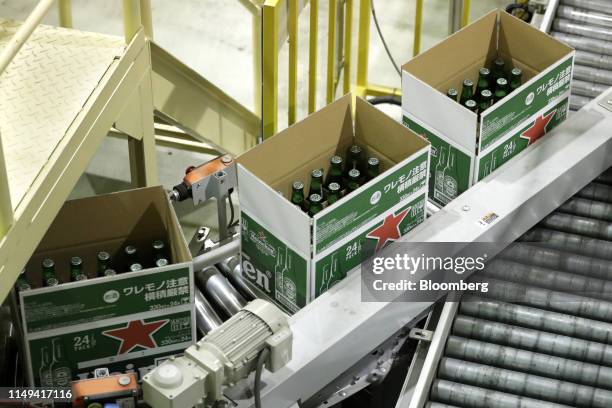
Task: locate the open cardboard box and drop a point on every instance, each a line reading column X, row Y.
column 482, row 143
column 293, row 258
column 89, row 310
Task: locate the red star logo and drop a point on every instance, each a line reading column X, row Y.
column 538, row 129
column 137, row 333
column 389, row 230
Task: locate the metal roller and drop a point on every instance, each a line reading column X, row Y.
column 605, row 177
column 519, row 383
column 596, row 191
column 537, row 319
column 231, row 269
column 588, row 89
column 569, row 242
column 592, row 59
column 439, row 405
column 593, row 74
column 549, row 299
column 559, row 260
column 526, row 361
column 582, row 30
column 532, row 340
column 578, row 225
column 584, row 43
column 587, row 208
column 602, row 6
column 206, row 318
column 578, row 102
column 476, row 397
column 584, row 16
column 216, row 288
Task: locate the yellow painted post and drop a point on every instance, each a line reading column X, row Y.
column 131, row 19
column 363, row 44
column 65, row 13
column 270, row 67
column 293, row 66
column 256, row 32
column 418, row 28
column 348, row 44
column 312, row 55
column 331, row 50
column 465, row 13
column 146, row 18
column 6, row 209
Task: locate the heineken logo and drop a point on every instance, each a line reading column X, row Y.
column 389, row 230
column 538, row 129
column 136, row 333
column 261, row 241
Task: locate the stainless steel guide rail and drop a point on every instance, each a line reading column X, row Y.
column 339, row 328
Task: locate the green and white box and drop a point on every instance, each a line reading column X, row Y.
column 293, row 258
column 127, row 322
column 465, row 147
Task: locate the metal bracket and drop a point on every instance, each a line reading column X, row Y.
column 606, row 101
column 421, row 334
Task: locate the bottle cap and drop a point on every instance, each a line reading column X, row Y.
column 336, row 160
column 103, row 256
column 315, row 198
column 354, row 173
column 48, row 263
column 76, row 261
column 334, row 187
column 373, row 161
column 317, row 173
column 298, row 185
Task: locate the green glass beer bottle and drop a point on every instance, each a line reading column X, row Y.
column 48, row 273
column 471, row 105
column 22, row 282
column 316, row 182
column 353, row 159
column 373, row 168
column 315, row 204
column 353, row 180
column 452, row 93
column 159, row 251
column 297, row 194
column 334, row 193
column 501, row 89
column 484, row 81
column 499, row 69
column 133, row 263
column 467, row 91
column 103, row 262
column 516, row 78
column 486, row 97
column 76, row 269
column 334, row 175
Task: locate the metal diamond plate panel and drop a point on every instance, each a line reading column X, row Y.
column 43, row 90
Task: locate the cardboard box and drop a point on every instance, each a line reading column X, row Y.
column 293, row 258
column 477, row 146
column 125, row 322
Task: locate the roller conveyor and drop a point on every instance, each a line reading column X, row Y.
column 542, row 335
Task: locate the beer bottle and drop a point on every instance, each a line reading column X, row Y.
column 452, row 93
column 48, row 273
column 471, row 105
column 334, row 193
column 76, row 269
column 133, row 263
column 467, row 91
column 159, row 251
column 60, row 367
column 297, row 194
column 103, row 262
column 316, row 182
column 516, row 78
column 484, row 81
column 44, row 372
column 373, row 168
column 486, row 97
column 353, row 180
column 499, row 69
column 501, row 89
column 22, row 282
column 334, row 175
column 315, row 204
column 353, row 159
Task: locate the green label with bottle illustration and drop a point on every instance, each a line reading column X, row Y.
column 377, row 199
column 449, row 170
column 334, row 266
column 60, row 357
column 522, row 105
column 273, row 267
column 515, row 143
column 98, row 299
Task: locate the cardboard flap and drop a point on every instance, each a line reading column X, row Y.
column 290, row 149
column 515, row 38
column 370, row 123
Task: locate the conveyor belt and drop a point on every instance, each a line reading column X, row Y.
column 586, row 25
column 554, row 347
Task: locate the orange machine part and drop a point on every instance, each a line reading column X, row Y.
column 205, row 170
column 99, row 386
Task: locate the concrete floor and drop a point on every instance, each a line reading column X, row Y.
column 215, row 38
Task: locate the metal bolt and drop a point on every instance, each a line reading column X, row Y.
column 342, row 394
column 226, row 159
column 124, row 380
column 466, row 208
